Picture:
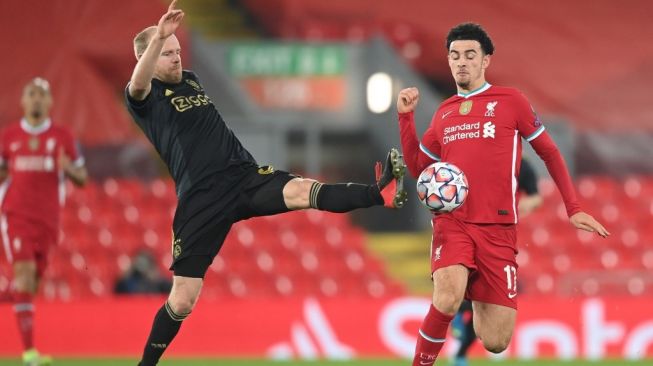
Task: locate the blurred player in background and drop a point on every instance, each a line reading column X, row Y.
column 36, row 155
column 218, row 181
column 474, row 247
column 462, row 325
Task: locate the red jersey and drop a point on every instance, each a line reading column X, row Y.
column 481, row 133
column 34, row 188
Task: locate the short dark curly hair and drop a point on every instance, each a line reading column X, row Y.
column 471, row 32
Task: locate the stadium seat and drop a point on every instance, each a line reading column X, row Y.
column 318, row 253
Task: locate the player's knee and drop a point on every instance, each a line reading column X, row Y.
column 296, row 193
column 447, row 302
column 25, row 282
column 181, row 305
column 496, row 344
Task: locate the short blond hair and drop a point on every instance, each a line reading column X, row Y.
column 38, row 82
column 142, row 39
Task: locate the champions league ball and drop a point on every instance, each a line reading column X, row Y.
column 442, row 187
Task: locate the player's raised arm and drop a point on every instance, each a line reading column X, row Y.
column 407, row 100
column 415, row 158
column 140, row 84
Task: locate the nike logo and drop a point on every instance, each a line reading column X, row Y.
column 512, row 296
column 445, row 114
column 426, row 362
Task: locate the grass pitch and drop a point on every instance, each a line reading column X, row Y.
column 367, row 362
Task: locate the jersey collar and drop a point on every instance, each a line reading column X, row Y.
column 35, row 130
column 483, row 88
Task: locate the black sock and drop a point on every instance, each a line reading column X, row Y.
column 165, row 328
column 469, row 336
column 344, row 197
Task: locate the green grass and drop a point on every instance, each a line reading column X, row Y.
column 381, row 362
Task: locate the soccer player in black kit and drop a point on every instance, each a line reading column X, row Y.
column 218, row 182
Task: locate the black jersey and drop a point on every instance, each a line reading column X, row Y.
column 187, row 131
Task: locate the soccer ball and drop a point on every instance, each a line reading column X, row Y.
column 442, row 187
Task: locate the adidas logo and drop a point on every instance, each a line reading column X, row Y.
column 310, row 335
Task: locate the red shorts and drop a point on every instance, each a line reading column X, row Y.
column 26, row 240
column 488, row 250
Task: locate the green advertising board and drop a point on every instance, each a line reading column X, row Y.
column 252, row 60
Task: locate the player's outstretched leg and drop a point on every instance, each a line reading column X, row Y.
column 390, row 179
column 344, row 197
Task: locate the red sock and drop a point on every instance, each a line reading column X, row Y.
column 24, row 310
column 431, row 337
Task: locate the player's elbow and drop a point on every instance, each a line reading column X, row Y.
column 138, row 91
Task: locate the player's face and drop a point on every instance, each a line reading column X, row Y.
column 36, row 101
column 168, row 65
column 468, row 63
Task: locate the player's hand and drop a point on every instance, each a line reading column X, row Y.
column 407, row 100
column 170, row 21
column 583, row 221
column 63, row 160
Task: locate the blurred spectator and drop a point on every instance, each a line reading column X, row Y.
column 143, row 277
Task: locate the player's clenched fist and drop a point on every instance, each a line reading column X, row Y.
column 407, row 100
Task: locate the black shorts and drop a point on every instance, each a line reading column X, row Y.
column 203, row 219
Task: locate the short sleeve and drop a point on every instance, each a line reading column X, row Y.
column 430, row 144
column 139, row 107
column 528, row 123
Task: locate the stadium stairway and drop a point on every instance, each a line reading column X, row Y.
column 219, row 19
column 406, row 256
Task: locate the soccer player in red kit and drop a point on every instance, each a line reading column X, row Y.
column 474, row 248
column 35, row 157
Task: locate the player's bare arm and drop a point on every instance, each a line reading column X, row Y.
column 140, row 84
column 407, row 100
column 77, row 174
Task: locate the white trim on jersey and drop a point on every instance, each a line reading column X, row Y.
column 478, row 91
column 3, row 189
column 429, row 153
column 3, row 221
column 4, row 231
column 515, row 141
column 534, row 135
column 35, row 130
